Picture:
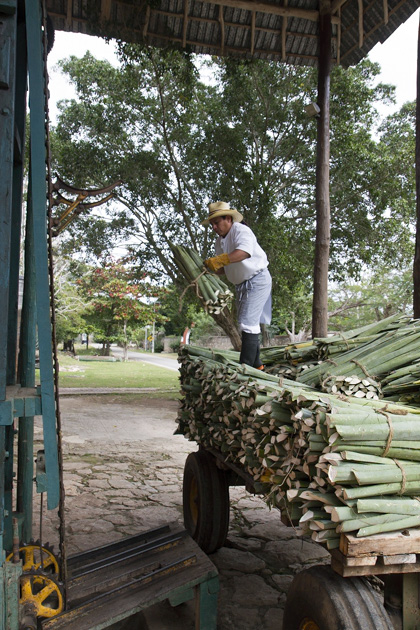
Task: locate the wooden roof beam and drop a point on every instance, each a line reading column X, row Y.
column 222, row 31
column 339, row 38
column 69, row 15
column 228, row 49
column 146, row 22
column 253, row 15
column 360, row 4
column 272, row 9
column 372, row 31
column 386, row 15
column 206, row 20
column 185, row 23
column 106, row 6
column 283, row 35
column 336, row 5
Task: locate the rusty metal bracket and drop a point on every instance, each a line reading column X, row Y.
column 75, row 206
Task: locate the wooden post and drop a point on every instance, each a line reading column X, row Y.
column 416, row 265
column 322, row 242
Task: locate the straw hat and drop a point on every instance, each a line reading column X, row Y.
column 220, row 209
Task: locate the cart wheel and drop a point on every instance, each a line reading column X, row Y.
column 205, row 501
column 320, row 599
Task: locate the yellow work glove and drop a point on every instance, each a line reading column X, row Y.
column 217, row 262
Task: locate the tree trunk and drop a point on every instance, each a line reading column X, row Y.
column 226, row 321
column 265, row 336
column 125, row 346
column 322, row 242
column 416, row 265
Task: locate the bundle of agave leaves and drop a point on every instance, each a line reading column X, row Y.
column 330, row 462
column 380, row 360
column 212, row 291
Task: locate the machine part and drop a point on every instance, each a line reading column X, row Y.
column 320, row 599
column 48, row 40
column 41, row 596
column 36, row 557
column 205, row 501
column 40, row 472
column 111, row 583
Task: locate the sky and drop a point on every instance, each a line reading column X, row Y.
column 397, row 58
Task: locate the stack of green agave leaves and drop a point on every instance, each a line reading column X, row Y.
column 332, row 463
column 210, row 288
column 403, row 385
column 393, row 347
column 291, row 359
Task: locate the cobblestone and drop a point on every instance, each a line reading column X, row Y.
column 127, row 478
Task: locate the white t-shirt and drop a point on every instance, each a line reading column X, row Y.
column 242, row 237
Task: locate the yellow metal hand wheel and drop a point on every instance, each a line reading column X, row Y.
column 35, row 558
column 41, row 595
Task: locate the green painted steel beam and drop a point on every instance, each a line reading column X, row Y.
column 2, row 467
column 18, row 175
column 37, row 102
column 208, row 604
column 27, row 378
column 7, row 96
column 26, row 402
column 9, row 594
column 8, row 489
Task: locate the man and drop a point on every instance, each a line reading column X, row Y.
column 245, row 264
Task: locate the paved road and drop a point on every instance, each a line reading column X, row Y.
column 147, row 357
column 123, row 475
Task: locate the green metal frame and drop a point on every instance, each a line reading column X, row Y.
column 22, row 67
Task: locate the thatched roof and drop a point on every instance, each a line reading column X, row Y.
column 282, row 31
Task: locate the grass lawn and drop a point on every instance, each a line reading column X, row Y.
column 75, row 373
column 83, row 351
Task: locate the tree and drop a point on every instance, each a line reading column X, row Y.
column 177, row 143
column 117, row 296
column 382, row 293
column 69, row 305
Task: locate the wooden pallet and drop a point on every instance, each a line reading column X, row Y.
column 396, row 552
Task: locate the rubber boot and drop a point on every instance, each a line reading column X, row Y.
column 258, row 363
column 250, row 343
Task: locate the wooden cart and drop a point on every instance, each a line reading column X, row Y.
column 321, row 597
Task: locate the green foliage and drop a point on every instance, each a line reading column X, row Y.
column 70, row 307
column 379, row 295
column 176, row 310
column 177, row 143
column 118, row 296
column 202, row 325
column 175, row 345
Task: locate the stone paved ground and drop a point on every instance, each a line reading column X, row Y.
column 123, row 475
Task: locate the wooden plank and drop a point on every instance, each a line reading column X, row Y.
column 381, row 544
column 373, row 570
column 364, row 561
column 402, row 558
